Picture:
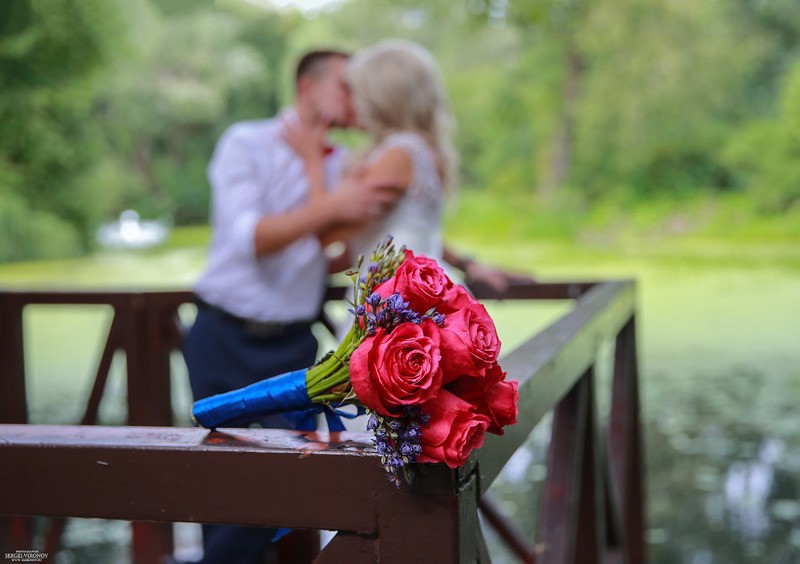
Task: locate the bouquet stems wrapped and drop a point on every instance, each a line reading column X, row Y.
column 421, row 358
column 321, row 388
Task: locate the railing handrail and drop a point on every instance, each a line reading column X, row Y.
column 193, row 475
column 549, row 364
column 174, row 464
column 89, row 295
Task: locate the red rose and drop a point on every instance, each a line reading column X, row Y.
column 453, row 431
column 391, row 370
column 491, row 395
column 469, row 342
column 421, row 282
column 457, row 298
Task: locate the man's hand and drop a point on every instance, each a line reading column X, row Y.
column 496, row 278
column 361, row 203
column 475, row 272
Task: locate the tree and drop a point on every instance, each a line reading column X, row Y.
column 665, row 83
column 767, row 152
column 194, row 71
column 50, row 52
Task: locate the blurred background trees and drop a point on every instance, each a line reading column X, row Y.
column 565, row 107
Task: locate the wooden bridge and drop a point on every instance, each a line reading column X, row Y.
column 152, row 474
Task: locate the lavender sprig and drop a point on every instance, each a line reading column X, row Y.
column 389, row 312
column 397, row 441
column 328, row 381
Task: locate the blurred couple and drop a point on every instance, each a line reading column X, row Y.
column 282, row 194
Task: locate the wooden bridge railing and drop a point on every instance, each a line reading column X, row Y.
column 591, row 504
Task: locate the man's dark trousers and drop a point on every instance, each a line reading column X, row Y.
column 225, row 354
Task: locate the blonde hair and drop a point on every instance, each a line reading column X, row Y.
column 397, row 86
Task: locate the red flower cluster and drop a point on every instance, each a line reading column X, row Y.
column 448, row 370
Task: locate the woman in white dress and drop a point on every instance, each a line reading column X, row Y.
column 399, row 99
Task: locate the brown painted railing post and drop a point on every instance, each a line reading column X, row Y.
column 625, row 448
column 433, row 522
column 434, row 529
column 14, row 531
column 149, row 403
column 591, row 526
column 147, row 364
column 13, row 407
column 572, row 511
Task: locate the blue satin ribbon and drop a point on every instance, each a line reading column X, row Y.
column 284, row 394
column 279, row 394
column 306, row 420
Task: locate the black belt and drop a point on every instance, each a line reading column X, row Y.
column 263, row 329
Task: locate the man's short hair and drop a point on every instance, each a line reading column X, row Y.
column 313, row 64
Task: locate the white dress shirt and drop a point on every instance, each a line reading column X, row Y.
column 253, row 174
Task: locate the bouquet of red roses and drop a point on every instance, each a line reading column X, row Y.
column 421, row 357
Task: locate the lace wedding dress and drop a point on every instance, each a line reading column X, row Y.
column 416, row 219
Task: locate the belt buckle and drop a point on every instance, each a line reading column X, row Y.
column 263, row 329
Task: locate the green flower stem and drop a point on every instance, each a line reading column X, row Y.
column 331, row 372
column 329, row 380
column 331, row 398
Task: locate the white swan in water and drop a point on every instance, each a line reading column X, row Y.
column 130, row 232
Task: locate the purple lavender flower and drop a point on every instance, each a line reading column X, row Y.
column 372, row 423
column 383, row 448
column 360, row 310
column 374, row 299
column 407, row 449
column 396, row 461
column 397, row 439
column 396, row 303
column 373, row 267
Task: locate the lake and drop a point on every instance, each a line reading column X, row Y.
column 719, row 332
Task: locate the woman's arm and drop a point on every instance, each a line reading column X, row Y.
column 386, row 179
column 390, row 175
column 347, row 206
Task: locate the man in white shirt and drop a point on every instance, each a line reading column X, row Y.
column 266, row 273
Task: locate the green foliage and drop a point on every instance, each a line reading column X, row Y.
column 82, row 139
column 767, row 153
column 164, row 107
column 657, row 92
column 49, row 54
column 27, row 233
column 78, row 35
column 563, row 106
